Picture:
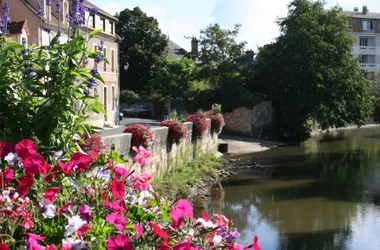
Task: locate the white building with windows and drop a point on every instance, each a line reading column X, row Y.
column 366, row 29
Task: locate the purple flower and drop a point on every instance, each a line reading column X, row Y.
column 86, row 92
column 41, row 9
column 90, row 85
column 100, row 47
column 91, row 82
column 48, row 2
column 59, row 6
column 4, row 18
column 102, row 41
column 93, row 10
column 46, row 29
column 78, row 14
column 86, row 62
column 76, row 79
column 95, row 71
column 98, row 58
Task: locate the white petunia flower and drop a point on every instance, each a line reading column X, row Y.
column 75, row 223
column 12, row 159
column 48, row 210
column 206, row 224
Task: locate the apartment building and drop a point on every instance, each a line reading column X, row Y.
column 366, row 29
column 26, row 29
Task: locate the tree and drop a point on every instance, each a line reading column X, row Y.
column 224, row 63
column 310, row 74
column 142, row 46
column 176, row 78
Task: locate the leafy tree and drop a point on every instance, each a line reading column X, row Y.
column 223, row 66
column 176, row 78
column 142, row 46
column 310, row 73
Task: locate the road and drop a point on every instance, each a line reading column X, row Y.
column 127, row 121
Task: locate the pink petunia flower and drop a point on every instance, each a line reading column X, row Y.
column 5, row 149
column 34, row 164
column 66, row 208
column 118, row 189
column 120, row 172
column 6, row 176
column 51, row 193
column 142, row 156
column 139, row 231
column 142, row 182
column 33, row 241
column 27, row 221
column 85, row 213
column 25, row 148
column 183, row 209
column 115, row 207
column 117, row 220
column 119, row 242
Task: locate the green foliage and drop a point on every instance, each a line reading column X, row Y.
column 40, row 88
column 129, row 96
column 142, row 46
column 176, row 78
column 224, row 67
column 177, row 182
column 310, row 74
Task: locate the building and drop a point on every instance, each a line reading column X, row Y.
column 175, row 51
column 25, row 28
column 366, row 29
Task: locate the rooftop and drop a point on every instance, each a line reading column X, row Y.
column 175, row 51
column 360, row 14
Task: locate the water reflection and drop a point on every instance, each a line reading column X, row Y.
column 321, row 195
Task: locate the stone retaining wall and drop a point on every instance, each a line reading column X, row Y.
column 164, row 153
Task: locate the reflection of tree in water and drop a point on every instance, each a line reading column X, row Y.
column 311, row 206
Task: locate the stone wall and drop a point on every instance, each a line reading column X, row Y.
column 256, row 122
column 164, row 153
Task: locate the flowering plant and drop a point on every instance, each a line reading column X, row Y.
column 200, row 123
column 85, row 201
column 177, row 130
column 142, row 135
column 217, row 119
column 91, row 142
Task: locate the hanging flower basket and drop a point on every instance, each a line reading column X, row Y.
column 177, row 130
column 142, row 135
column 200, row 124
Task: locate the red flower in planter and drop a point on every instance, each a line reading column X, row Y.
column 91, row 143
column 141, row 134
column 217, row 123
column 200, row 123
column 26, row 148
column 177, row 130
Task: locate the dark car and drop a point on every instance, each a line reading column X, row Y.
column 137, row 110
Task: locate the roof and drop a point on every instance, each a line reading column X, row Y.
column 175, row 51
column 16, row 27
column 359, row 14
column 102, row 12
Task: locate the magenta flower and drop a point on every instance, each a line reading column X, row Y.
column 142, row 182
column 85, row 213
column 114, row 207
column 142, row 156
column 120, row 172
column 33, row 241
column 119, row 242
column 26, row 148
column 139, row 231
column 183, row 209
column 117, row 220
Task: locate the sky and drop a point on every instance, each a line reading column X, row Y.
column 180, row 18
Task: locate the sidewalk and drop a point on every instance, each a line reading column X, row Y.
column 240, row 145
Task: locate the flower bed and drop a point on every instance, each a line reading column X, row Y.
column 177, row 130
column 142, row 135
column 87, row 202
column 200, row 123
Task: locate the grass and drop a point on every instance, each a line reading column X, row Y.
column 178, row 182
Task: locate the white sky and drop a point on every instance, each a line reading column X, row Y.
column 179, row 18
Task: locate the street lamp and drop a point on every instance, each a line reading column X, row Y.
column 126, row 67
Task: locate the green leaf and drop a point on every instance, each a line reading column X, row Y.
column 94, row 33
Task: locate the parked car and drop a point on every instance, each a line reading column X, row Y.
column 137, row 110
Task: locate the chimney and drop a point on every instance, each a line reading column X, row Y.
column 356, row 9
column 194, row 46
column 250, row 54
column 365, row 9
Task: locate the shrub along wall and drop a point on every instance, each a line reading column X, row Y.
column 164, row 153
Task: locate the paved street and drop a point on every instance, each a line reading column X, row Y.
column 127, row 121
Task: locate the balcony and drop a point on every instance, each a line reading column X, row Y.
column 369, row 67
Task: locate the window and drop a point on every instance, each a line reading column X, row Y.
column 113, row 60
column 111, row 28
column 104, row 63
column 367, row 25
column 103, row 23
column 105, row 101
column 24, row 42
column 65, row 11
column 113, row 98
column 91, row 21
column 363, row 41
column 367, row 59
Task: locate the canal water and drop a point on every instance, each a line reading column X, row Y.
column 324, row 194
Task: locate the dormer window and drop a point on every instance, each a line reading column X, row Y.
column 367, row 25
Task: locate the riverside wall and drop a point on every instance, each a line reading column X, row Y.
column 164, row 153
